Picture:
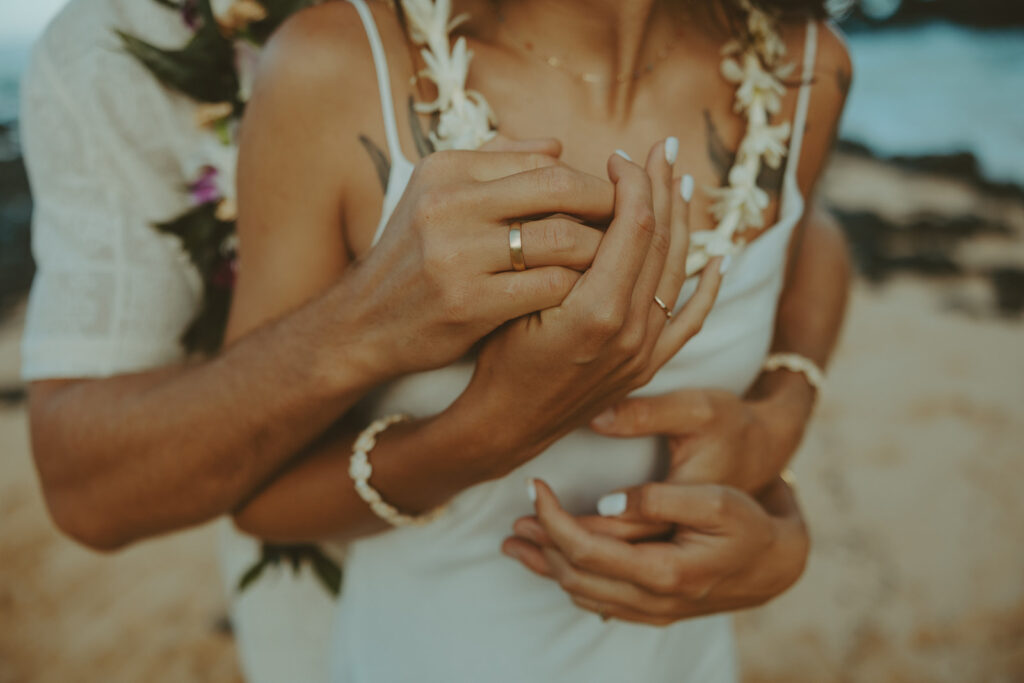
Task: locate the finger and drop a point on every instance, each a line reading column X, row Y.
column 675, row 414
column 624, row 248
column 689, row 320
column 485, row 167
column 674, row 274
column 513, row 295
column 584, row 584
column 545, row 242
column 704, row 507
column 779, row 499
column 500, row 143
column 660, row 169
column 685, row 611
column 528, row 554
column 530, row 529
column 643, row 304
column 547, row 189
column 645, row 564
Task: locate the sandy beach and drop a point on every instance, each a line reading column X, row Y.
column 910, row 478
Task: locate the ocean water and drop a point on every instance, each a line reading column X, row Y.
column 940, row 89
column 929, row 89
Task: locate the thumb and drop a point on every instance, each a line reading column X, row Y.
column 700, row 507
column 674, row 414
column 500, row 143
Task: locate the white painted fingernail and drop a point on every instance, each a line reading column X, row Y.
column 612, row 505
column 726, row 262
column 671, row 149
column 531, row 490
column 623, row 155
column 686, row 187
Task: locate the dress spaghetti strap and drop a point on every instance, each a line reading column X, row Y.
column 380, row 62
column 803, row 100
column 401, row 167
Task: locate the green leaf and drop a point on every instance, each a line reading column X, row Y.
column 324, row 568
column 201, row 235
column 205, row 334
column 204, row 69
column 252, row 574
column 327, row 571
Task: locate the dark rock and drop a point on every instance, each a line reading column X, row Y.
column 961, row 166
column 1009, row 286
column 985, row 13
column 16, row 265
column 925, row 245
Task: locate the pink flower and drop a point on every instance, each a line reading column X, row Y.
column 205, row 190
column 190, row 13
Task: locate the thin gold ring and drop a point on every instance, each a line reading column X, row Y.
column 515, row 246
column 664, row 309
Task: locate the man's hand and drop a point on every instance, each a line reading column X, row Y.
column 728, row 551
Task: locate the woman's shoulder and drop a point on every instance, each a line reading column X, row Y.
column 321, row 46
column 829, row 79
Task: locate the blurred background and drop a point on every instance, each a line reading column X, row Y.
column 911, row 475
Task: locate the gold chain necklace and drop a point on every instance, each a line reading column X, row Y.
column 560, row 63
column 591, row 78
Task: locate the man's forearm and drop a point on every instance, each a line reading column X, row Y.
column 137, row 455
column 810, row 317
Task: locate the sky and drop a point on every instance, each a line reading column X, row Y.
column 22, row 20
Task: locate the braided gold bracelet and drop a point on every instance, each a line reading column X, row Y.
column 794, row 362
column 360, row 469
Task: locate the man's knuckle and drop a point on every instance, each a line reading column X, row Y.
column 556, row 180
column 719, row 500
column 629, row 342
column 607, row 321
column 558, row 237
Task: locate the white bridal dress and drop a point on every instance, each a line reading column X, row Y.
column 441, row 604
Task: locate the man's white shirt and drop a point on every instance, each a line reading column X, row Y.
column 109, row 153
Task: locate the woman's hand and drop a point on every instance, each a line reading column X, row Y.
column 608, row 336
column 728, row 552
column 714, row 437
column 442, row 278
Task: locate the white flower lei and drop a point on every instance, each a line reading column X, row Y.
column 466, row 120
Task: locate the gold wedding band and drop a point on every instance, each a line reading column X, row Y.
column 515, row 246
column 663, row 307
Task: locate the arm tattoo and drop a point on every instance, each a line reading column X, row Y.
column 723, row 159
column 379, row 158
column 843, row 81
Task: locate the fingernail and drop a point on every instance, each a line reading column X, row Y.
column 623, row 155
column 612, row 505
column 726, row 262
column 605, row 419
column 686, row 187
column 531, row 490
column 510, row 553
column 671, row 149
